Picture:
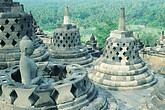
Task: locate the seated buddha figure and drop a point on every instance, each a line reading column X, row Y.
column 30, row 74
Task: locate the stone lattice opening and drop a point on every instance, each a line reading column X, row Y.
column 2, row 28
column 16, row 76
column 7, row 35
column 73, row 89
column 6, row 21
column 18, row 34
column 12, row 28
column 13, row 96
column 33, row 98
column 2, row 43
column 54, row 95
column 14, row 42
column 16, row 20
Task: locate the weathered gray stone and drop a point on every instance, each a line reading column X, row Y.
column 120, row 67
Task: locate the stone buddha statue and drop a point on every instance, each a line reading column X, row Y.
column 30, row 74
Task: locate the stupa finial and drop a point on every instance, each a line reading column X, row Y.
column 66, row 16
column 122, row 20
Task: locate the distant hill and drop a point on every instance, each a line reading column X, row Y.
column 88, row 12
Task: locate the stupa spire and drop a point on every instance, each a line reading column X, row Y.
column 66, row 16
column 122, row 20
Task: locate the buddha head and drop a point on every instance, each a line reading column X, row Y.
column 26, row 46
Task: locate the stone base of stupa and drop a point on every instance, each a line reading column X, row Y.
column 155, row 100
column 71, row 91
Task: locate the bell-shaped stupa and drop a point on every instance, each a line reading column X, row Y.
column 66, row 45
column 14, row 24
column 120, row 67
column 94, row 47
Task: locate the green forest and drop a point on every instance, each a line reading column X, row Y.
column 144, row 17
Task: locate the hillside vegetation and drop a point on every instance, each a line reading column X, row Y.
column 101, row 15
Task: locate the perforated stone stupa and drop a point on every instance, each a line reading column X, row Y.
column 155, row 56
column 14, row 24
column 120, row 67
column 50, row 86
column 66, row 46
column 93, row 47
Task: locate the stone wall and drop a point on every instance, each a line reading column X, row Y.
column 155, row 62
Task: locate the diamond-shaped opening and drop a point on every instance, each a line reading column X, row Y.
column 66, row 34
column 64, row 45
column 69, row 45
column 117, row 44
column 16, row 76
column 58, row 45
column 123, row 44
column 124, row 53
column 16, row 20
column 120, row 58
column 60, row 41
column 127, row 48
column 14, row 42
column 117, row 53
column 133, row 57
column 2, row 43
column 74, row 45
column 71, row 41
column 6, row 21
column 110, row 52
column 12, row 28
column 22, row 27
column 114, row 48
column 2, row 28
column 54, row 95
column 113, row 58
column 68, row 37
column 121, row 49
column 13, row 96
column 60, row 34
column 108, row 46
column 107, row 56
column 33, row 98
column 127, row 58
column 73, row 90
column 18, row 34
column 66, row 41
column 7, row 35
column 58, row 37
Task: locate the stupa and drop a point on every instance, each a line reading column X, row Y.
column 155, row 100
column 93, row 47
column 155, row 56
column 66, row 46
column 14, row 24
column 49, row 86
column 120, row 67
